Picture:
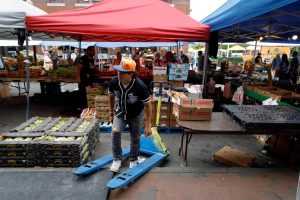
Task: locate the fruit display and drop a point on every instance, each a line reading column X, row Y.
column 82, row 126
column 34, row 124
column 58, row 125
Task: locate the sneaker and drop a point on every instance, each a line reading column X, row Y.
column 132, row 164
column 115, row 166
column 140, row 160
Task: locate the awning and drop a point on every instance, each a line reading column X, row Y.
column 242, row 20
column 122, row 21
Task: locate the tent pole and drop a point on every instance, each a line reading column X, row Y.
column 177, row 49
column 27, row 76
column 253, row 59
column 80, row 46
column 204, row 83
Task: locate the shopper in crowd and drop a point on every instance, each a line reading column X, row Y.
column 87, row 71
column 119, row 58
column 75, row 56
column 55, row 59
column 20, row 59
column 283, row 68
column 224, row 66
column 258, row 59
column 169, row 58
column 200, row 61
column 157, row 60
column 132, row 96
column 294, row 68
column 183, row 58
column 275, row 64
column 48, row 65
column 2, row 67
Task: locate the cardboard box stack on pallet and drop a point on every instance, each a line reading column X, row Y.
column 92, row 92
column 102, row 108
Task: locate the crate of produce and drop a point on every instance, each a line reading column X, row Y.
column 17, row 163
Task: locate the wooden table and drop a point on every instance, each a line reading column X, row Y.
column 220, row 124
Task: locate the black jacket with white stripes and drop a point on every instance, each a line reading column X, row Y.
column 130, row 100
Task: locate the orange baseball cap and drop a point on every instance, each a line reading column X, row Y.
column 126, row 65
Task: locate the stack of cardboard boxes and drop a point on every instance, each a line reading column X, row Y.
column 185, row 108
column 102, row 108
column 179, row 72
column 92, row 92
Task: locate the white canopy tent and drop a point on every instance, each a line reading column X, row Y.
column 12, row 16
column 12, row 26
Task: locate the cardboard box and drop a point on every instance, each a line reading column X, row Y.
column 159, row 70
column 88, row 113
column 102, row 117
column 233, row 157
column 165, row 106
column 180, row 66
column 173, row 123
column 183, row 100
column 102, row 101
column 178, row 77
column 160, row 78
column 96, row 90
column 192, row 114
column 177, row 83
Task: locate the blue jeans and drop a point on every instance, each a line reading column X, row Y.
column 134, row 126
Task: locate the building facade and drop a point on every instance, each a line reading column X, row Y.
column 50, row 6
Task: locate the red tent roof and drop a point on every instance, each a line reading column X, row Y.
column 122, row 20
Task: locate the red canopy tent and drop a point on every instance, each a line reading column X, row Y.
column 122, row 21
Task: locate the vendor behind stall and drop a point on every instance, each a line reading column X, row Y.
column 119, row 58
column 87, row 70
column 258, row 59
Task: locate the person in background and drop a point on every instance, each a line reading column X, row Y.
column 2, row 67
column 183, row 58
column 283, row 68
column 224, row 66
column 169, row 58
column 20, row 60
column 132, row 96
column 157, row 60
column 48, row 65
column 75, row 56
column 275, row 64
column 200, row 61
column 294, row 68
column 87, row 71
column 54, row 58
column 258, row 59
column 119, row 58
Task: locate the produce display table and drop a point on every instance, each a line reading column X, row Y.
column 261, row 98
column 21, row 82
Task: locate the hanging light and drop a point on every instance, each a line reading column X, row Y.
column 261, row 38
column 294, row 37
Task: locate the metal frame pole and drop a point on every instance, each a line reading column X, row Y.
column 204, row 82
column 27, row 76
